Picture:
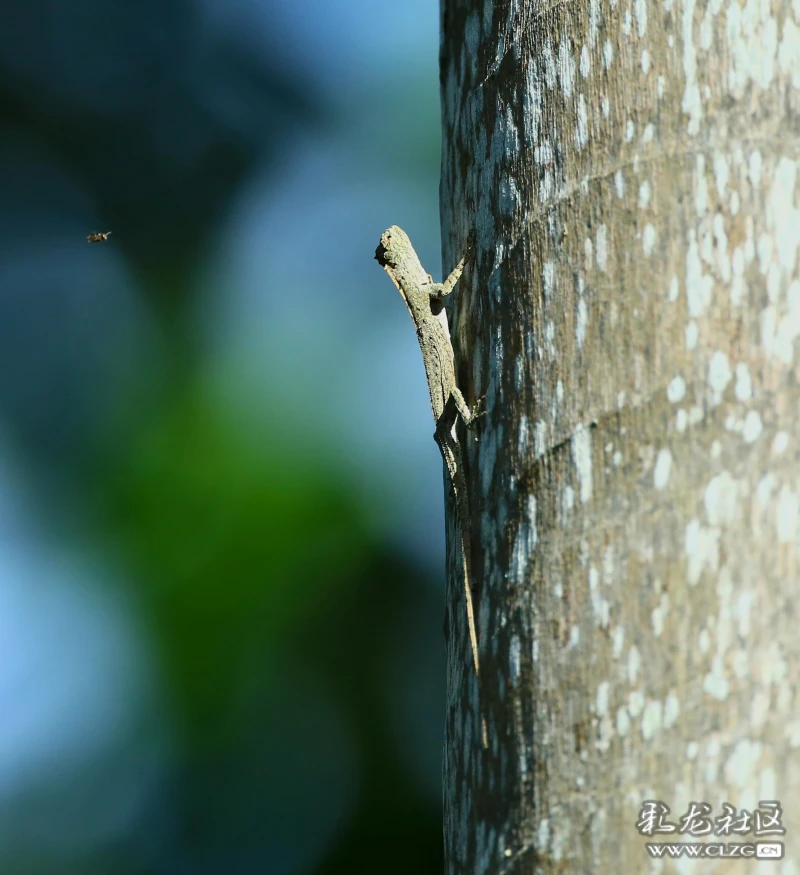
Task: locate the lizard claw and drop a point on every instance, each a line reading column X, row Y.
column 476, row 412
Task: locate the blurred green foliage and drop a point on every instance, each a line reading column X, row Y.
column 236, row 548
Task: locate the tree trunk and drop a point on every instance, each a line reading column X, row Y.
column 631, row 317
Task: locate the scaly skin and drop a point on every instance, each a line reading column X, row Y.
column 424, row 299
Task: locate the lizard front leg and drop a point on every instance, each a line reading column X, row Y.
column 442, row 290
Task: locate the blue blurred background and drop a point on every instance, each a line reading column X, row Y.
column 221, row 537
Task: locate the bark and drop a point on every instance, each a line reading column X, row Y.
column 632, row 318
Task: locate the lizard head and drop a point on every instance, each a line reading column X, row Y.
column 394, row 243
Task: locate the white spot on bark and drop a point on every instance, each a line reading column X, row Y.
column 634, row 661
column 720, row 499
column 524, row 544
column 602, row 248
column 509, row 199
column 778, row 336
column 754, row 166
column 635, row 703
column 600, row 605
column 715, row 683
column 608, row 565
column 582, row 129
column 543, row 153
column 702, row 550
column 566, row 68
column 676, row 389
column 648, row 238
column 788, row 512
column 586, row 61
column 789, row 50
column 651, row 721
column 783, row 218
column 645, row 62
column 706, row 33
column 543, row 834
column 752, row 427
column 617, row 642
column 767, row 784
column 691, row 96
column 738, row 287
column 619, row 183
column 723, row 259
column 773, row 282
column 523, row 436
column 701, row 193
column 698, row 285
column 659, row 615
column 581, row 322
column 779, row 443
column 640, row 11
column 744, row 386
column 550, row 337
column 721, row 173
column 743, row 611
column 741, row 765
column 602, row 698
column 764, row 252
column 514, row 651
column 540, row 437
column 547, row 186
column 548, row 279
column 719, row 375
column 764, row 489
column 644, row 194
column 662, row 469
column 550, row 69
column 582, row 458
column 594, row 21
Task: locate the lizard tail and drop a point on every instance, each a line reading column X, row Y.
column 457, row 480
column 473, row 637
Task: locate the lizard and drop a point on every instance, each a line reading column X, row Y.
column 425, row 302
